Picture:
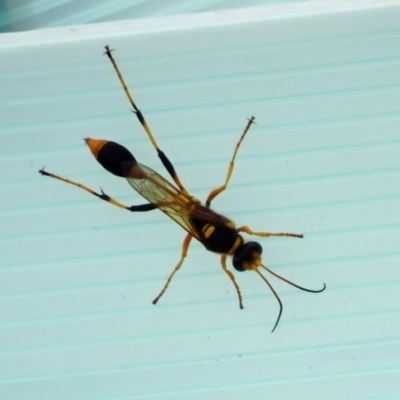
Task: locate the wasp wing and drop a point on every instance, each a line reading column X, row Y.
column 170, row 200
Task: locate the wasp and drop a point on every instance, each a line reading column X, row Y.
column 216, row 232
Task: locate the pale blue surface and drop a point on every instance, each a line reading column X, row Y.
column 22, row 15
column 77, row 276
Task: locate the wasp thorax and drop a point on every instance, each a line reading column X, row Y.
column 247, row 257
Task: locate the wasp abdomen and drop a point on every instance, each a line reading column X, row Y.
column 112, row 156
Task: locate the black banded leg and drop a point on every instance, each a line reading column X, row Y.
column 232, row 278
column 247, row 230
column 214, row 193
column 185, row 247
column 164, row 159
column 102, row 195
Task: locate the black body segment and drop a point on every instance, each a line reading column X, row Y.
column 112, row 156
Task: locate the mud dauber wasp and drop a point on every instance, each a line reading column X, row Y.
column 216, row 232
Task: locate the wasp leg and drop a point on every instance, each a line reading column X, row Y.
column 102, row 195
column 247, row 230
column 214, row 193
column 164, row 159
column 232, row 278
column 185, row 248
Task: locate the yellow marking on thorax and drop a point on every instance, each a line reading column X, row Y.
column 231, row 224
column 236, row 245
column 208, row 230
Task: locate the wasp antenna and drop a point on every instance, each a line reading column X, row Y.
column 292, row 283
column 276, row 296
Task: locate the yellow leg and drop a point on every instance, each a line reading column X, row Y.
column 185, row 248
column 247, row 230
column 232, row 278
column 214, row 193
column 164, row 159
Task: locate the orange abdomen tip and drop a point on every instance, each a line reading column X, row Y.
column 95, row 145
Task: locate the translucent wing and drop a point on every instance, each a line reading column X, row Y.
column 177, row 205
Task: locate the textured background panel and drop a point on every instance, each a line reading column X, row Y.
column 77, row 275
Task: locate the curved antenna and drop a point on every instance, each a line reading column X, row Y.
column 292, row 283
column 275, row 294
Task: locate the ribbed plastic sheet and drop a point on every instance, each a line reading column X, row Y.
column 22, row 15
column 77, row 275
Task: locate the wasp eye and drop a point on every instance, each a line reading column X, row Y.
column 247, row 256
